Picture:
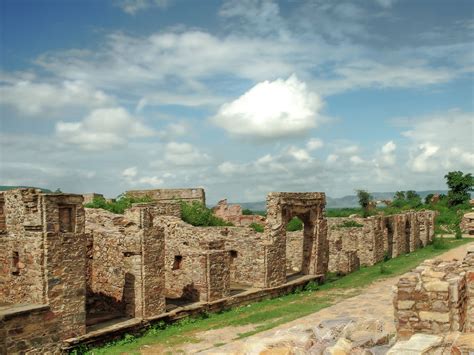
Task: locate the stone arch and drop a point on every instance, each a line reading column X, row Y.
column 309, row 207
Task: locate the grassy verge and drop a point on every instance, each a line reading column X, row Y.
column 271, row 313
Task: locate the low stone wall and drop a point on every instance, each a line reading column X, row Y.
column 294, row 251
column 169, row 195
column 435, row 298
column 467, row 223
column 29, row 329
column 376, row 238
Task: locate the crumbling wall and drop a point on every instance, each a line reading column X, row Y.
column 233, row 214
column 467, row 223
column 89, row 198
column 43, row 255
column 169, row 195
column 343, row 245
column 435, row 298
column 125, row 262
column 376, row 238
column 22, row 248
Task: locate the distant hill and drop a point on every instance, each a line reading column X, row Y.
column 341, row 202
column 5, row 188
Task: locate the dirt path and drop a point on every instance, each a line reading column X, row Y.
column 374, row 302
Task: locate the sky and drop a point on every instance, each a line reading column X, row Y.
column 241, row 97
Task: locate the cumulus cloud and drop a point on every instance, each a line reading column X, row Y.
column 184, row 154
column 441, row 140
column 39, row 98
column 271, row 109
column 102, row 129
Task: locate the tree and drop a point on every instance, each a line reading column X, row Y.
column 399, row 195
column 413, row 199
column 364, row 201
column 460, row 185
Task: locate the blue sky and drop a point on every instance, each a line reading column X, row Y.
column 239, row 97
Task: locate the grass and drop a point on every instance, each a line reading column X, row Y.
column 271, row 313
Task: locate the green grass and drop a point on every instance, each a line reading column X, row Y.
column 271, row 313
column 343, row 212
column 257, row 227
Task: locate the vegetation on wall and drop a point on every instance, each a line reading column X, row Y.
column 364, row 201
column 197, row 214
column 119, row 205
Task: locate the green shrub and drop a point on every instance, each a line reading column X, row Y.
column 119, row 206
column 247, row 212
column 257, row 227
column 294, row 225
column 349, row 224
column 197, row 214
column 343, row 212
column 458, row 232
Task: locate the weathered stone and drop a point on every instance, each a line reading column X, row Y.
column 405, row 304
column 437, row 286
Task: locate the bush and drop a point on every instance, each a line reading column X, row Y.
column 257, row 227
column 197, row 214
column 440, row 243
column 350, row 224
column 247, row 212
column 343, row 212
column 294, row 225
column 119, row 206
column 459, row 186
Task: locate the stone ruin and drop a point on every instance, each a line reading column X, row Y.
column 233, row 214
column 436, row 298
column 67, row 272
column 355, row 242
column 72, row 275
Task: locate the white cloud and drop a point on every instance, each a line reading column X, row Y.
column 46, row 99
column 314, row 143
column 151, row 180
column 102, row 129
column 130, row 172
column 441, row 140
column 184, row 154
column 133, row 6
column 423, row 160
column 386, row 3
column 271, row 109
column 387, row 157
column 389, row 147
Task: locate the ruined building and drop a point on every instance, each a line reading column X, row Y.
column 68, row 272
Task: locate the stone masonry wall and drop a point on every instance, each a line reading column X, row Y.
column 43, row 258
column 168, row 195
column 377, row 237
column 188, row 248
column 125, row 263
column 233, row 214
column 435, row 298
column 294, row 251
column 31, row 329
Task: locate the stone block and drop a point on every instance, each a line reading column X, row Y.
column 405, row 304
column 437, row 286
column 434, row 316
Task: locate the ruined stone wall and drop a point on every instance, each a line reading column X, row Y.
column 435, row 298
column 168, row 195
column 66, row 261
column 233, row 214
column 43, row 255
column 31, row 329
column 89, row 198
column 22, row 248
column 468, row 264
column 343, row 245
column 467, row 223
column 125, row 263
column 189, row 250
column 376, row 238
